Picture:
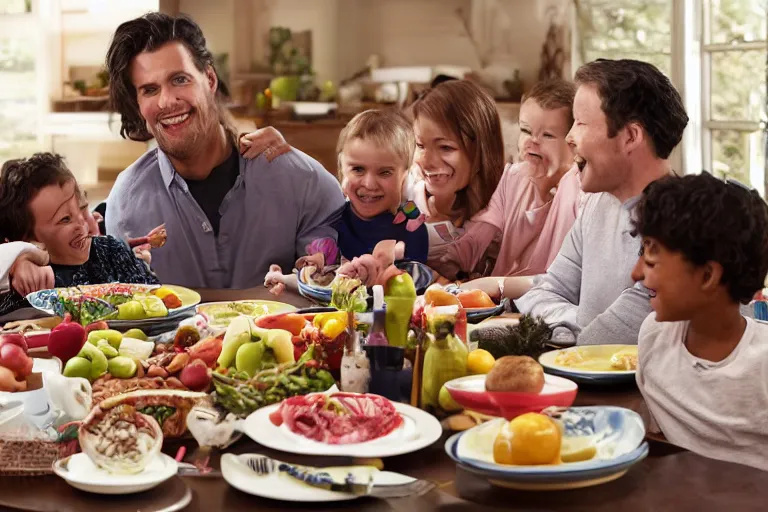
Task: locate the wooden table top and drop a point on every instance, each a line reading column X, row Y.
column 670, row 478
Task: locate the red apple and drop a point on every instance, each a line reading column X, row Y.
column 66, row 339
column 196, row 375
column 15, row 339
column 15, row 359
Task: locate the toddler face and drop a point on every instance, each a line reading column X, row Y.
column 542, row 136
column 372, row 177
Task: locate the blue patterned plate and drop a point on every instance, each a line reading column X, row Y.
column 422, row 277
column 617, row 435
column 48, row 302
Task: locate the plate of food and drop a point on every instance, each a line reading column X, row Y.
column 82, row 473
column 593, row 364
column 305, row 484
column 343, row 424
column 557, row 449
column 220, row 314
column 121, row 452
column 123, row 306
column 316, row 285
column 477, row 304
column 514, row 386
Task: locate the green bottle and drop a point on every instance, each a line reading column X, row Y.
column 445, row 356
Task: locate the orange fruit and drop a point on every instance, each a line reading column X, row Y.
column 436, row 296
column 480, row 361
column 528, row 440
column 476, row 299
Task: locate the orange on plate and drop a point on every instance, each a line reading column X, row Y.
column 436, row 296
column 475, row 299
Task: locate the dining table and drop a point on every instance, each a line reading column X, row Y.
column 669, row 478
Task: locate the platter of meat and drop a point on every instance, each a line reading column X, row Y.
column 343, row 424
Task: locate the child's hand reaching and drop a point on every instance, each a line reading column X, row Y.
column 31, row 272
column 275, row 280
column 267, row 140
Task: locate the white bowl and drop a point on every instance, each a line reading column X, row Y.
column 81, row 473
column 35, row 401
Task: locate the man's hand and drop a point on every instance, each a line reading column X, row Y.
column 31, row 273
column 264, row 140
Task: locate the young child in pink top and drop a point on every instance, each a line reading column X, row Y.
column 536, row 201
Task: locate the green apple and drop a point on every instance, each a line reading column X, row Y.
column 112, row 336
column 97, row 358
column 131, row 310
column 249, row 357
column 285, row 88
column 230, row 347
column 136, row 334
column 281, row 343
column 446, row 401
column 400, row 286
column 107, row 349
column 122, row 367
column 78, row 367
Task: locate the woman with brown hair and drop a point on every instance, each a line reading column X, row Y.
column 458, row 162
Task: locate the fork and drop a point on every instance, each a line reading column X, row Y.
column 262, row 465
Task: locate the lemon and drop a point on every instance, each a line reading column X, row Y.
column 530, row 439
column 577, row 449
column 446, row 401
column 479, row 361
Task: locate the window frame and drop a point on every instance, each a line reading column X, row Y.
column 709, row 125
column 21, row 25
column 691, row 55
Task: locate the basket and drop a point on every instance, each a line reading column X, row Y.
column 30, row 457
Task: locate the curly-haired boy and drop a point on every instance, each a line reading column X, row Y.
column 703, row 366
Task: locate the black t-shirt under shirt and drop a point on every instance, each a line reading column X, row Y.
column 210, row 192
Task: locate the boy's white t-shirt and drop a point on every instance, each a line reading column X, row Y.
column 718, row 410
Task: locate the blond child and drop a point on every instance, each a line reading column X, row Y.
column 375, row 151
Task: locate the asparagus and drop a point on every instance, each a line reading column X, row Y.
column 241, row 397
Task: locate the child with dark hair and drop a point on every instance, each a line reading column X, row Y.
column 703, row 366
column 41, row 203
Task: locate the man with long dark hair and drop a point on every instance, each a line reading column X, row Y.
column 227, row 218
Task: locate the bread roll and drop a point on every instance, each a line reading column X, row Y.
column 520, row 374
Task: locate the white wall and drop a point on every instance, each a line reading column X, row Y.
column 402, row 32
column 216, row 18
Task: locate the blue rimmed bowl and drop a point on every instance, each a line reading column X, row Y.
column 616, row 433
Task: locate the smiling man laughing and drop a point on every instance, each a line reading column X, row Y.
column 627, row 120
column 227, row 218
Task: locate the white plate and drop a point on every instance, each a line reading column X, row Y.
column 419, row 430
column 81, row 473
column 279, row 486
column 547, row 360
